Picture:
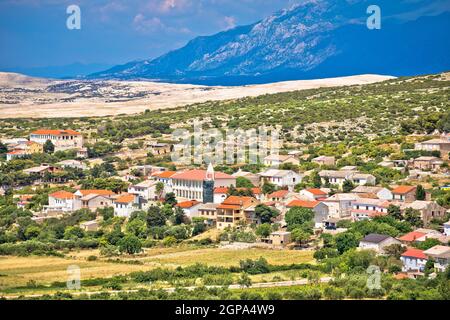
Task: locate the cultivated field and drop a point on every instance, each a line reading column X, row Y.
column 19, row 271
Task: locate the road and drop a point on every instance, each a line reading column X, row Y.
column 170, row 290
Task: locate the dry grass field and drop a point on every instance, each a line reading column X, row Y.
column 18, row 271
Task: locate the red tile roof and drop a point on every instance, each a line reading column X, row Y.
column 412, row 236
column 278, row 194
column 235, row 202
column 127, row 198
column 98, row 192
column 317, row 192
column 414, row 253
column 17, row 152
column 403, row 189
column 225, row 190
column 303, row 204
column 62, row 195
column 164, row 174
column 56, row 132
column 187, row 204
column 200, row 175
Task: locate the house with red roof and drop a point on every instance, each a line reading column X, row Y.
column 313, row 194
column 16, row 154
column 60, row 201
column 94, row 199
column 236, row 210
column 404, row 193
column 367, row 208
column 413, row 260
column 125, row 205
column 411, row 237
column 199, row 184
column 61, row 139
column 190, row 208
column 221, row 193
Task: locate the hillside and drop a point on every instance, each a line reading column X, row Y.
column 22, row 97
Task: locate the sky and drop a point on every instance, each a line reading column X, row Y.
column 33, row 33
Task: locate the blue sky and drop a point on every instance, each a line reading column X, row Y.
column 33, row 33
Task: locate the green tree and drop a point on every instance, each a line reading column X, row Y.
column 130, row 244
column 413, row 217
column 170, row 199
column 3, row 148
column 300, row 236
column 155, row 217
column 316, row 181
column 395, row 212
column 347, row 186
column 346, row 241
column 266, row 213
column 159, row 189
column 264, row 230
column 49, row 147
column 420, row 193
column 107, row 213
column 268, row 188
column 244, row 280
column 298, row 216
column 242, row 182
column 179, row 216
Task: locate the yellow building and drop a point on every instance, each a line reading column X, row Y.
column 34, row 147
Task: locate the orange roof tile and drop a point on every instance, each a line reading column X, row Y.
column 199, row 175
column 164, row 174
column 127, row 198
column 187, row 204
column 403, row 189
column 56, row 132
column 414, row 253
column 62, row 195
column 225, row 190
column 317, row 192
column 17, row 152
column 235, row 202
column 278, row 194
column 303, row 204
column 412, row 236
column 98, row 192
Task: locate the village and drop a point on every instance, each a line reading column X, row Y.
column 279, row 207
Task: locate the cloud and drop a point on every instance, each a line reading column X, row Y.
column 145, row 24
column 229, row 22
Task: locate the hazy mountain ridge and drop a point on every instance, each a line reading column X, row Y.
column 316, row 39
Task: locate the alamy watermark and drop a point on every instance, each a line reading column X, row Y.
column 228, row 146
column 73, row 277
column 73, row 22
column 374, row 20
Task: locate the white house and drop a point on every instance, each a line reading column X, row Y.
column 166, row 178
column 61, row 139
column 379, row 192
column 413, row 260
column 60, row 201
column 75, row 164
column 190, row 208
column 377, row 242
column 275, row 160
column 125, row 205
column 340, row 204
column 313, row 194
column 281, row 178
column 190, row 184
column 145, row 190
column 367, row 208
column 440, row 256
column 447, row 228
column 221, row 193
column 338, row 177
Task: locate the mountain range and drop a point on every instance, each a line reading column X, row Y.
column 310, row 40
